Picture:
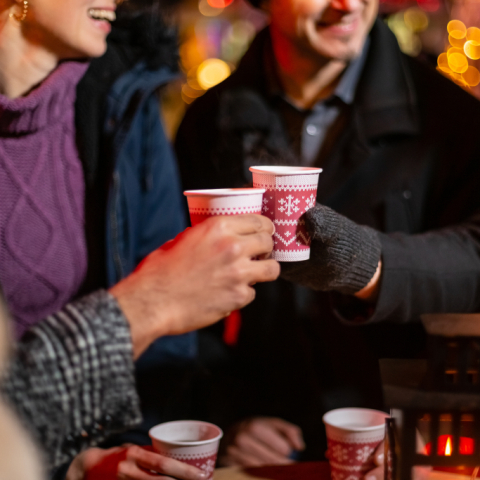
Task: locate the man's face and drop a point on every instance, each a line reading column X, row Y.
column 331, row 29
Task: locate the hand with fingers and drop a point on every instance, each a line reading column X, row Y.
column 198, row 278
column 141, row 464
column 130, row 463
column 261, row 441
column 378, row 457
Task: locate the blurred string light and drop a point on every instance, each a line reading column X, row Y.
column 211, row 48
column 211, row 72
column 207, row 10
column 406, row 26
column 464, row 45
column 219, row 3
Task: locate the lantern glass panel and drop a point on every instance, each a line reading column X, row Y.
column 423, row 437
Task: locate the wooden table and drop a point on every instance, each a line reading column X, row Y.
column 296, row 471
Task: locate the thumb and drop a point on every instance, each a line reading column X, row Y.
column 375, row 474
column 379, row 454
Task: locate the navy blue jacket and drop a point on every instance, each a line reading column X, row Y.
column 133, row 195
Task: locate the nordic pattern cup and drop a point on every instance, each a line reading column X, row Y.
column 290, row 192
column 353, row 434
column 189, row 441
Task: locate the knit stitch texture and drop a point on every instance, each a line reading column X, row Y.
column 43, row 255
column 344, row 256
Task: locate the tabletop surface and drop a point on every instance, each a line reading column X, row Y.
column 107, row 469
column 304, row 471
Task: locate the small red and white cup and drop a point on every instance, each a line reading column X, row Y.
column 353, row 434
column 290, row 192
column 203, row 204
column 189, row 441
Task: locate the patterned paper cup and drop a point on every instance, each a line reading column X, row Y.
column 290, row 192
column 203, row 204
column 353, row 434
column 188, row 441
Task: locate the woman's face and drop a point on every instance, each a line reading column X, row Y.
column 70, row 28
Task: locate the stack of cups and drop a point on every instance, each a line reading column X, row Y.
column 353, row 434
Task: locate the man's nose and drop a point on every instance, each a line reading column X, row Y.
column 345, row 5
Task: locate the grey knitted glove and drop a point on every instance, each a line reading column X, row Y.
column 344, row 256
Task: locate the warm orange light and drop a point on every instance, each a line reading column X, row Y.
column 211, row 72
column 471, row 76
column 453, row 50
column 473, row 34
column 456, row 29
column 448, row 446
column 219, row 3
column 458, row 62
column 456, row 42
column 472, row 49
column 442, row 62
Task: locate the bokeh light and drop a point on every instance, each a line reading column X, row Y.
column 456, row 42
column 442, row 62
column 456, row 29
column 219, row 3
column 473, row 35
column 207, row 10
column 472, row 50
column 471, row 76
column 211, row 72
column 458, row 62
column 415, row 19
column 429, row 5
column 453, row 50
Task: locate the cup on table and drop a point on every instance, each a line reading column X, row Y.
column 353, row 434
column 203, row 204
column 290, row 192
column 189, row 441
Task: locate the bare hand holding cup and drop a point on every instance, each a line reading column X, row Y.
column 197, row 278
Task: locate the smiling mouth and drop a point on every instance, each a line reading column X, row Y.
column 340, row 26
column 100, row 14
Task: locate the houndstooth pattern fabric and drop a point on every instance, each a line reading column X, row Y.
column 72, row 379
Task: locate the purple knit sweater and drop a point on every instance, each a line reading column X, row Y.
column 43, row 257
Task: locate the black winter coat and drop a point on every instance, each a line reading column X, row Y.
column 407, row 164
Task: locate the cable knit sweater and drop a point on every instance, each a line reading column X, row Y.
column 43, row 256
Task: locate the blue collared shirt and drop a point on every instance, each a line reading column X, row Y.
column 309, row 129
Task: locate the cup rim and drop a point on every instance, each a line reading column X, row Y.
column 186, row 444
column 327, row 419
column 223, row 192
column 285, row 170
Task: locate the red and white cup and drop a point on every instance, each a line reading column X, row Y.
column 189, row 441
column 290, row 192
column 203, row 204
column 353, row 434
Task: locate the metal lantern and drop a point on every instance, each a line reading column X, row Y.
column 434, row 429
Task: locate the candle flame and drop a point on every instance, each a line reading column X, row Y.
column 448, row 446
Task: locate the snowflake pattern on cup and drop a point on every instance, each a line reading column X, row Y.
column 350, row 461
column 204, row 463
column 287, row 197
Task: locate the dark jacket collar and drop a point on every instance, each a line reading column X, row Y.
column 107, row 90
column 385, row 102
